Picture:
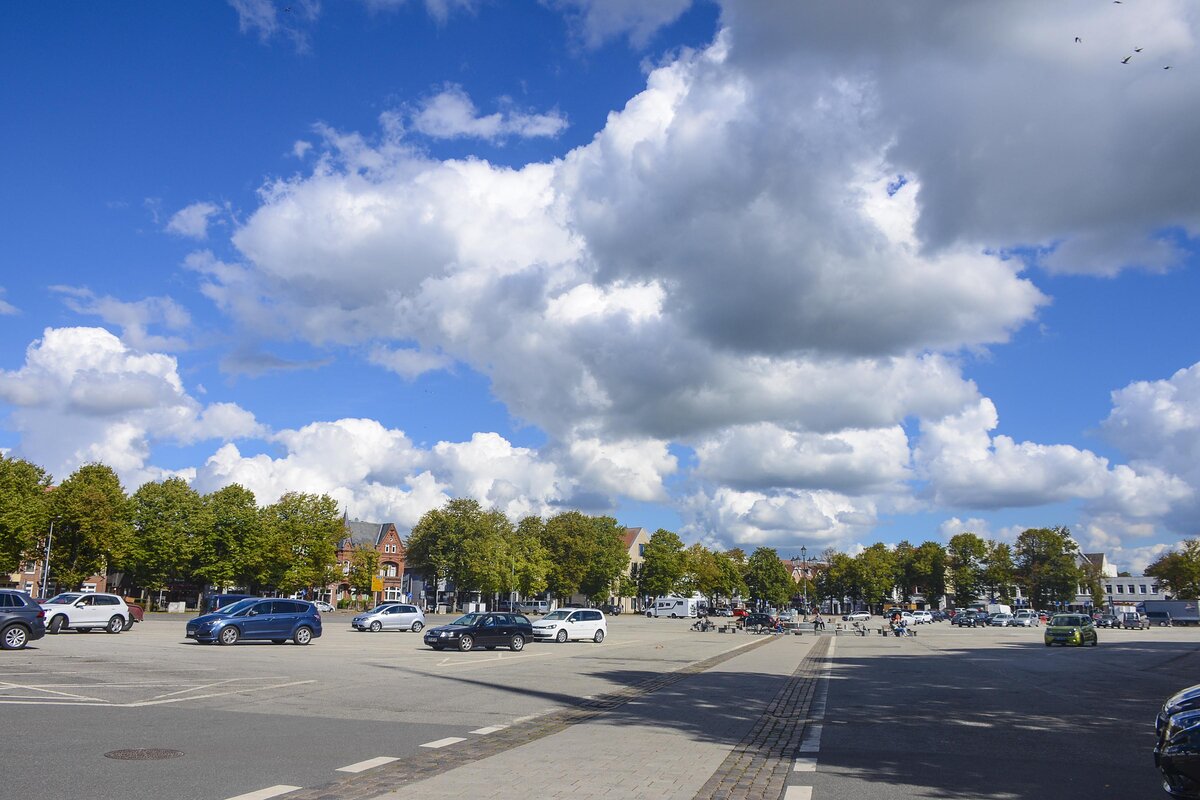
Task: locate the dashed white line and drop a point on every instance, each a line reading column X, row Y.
column 805, row 764
column 449, row 740
column 370, row 763
column 489, row 729
column 798, row 793
column 812, row 740
column 266, row 794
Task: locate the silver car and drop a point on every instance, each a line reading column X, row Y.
column 1001, row 620
column 1025, row 619
column 390, row 617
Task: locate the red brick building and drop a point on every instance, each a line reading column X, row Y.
column 385, row 539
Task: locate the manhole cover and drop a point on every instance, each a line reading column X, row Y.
column 143, row 754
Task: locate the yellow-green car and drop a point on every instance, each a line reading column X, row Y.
column 1076, row 629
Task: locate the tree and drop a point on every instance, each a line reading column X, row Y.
column 463, row 543
column 906, row 576
column 364, row 567
column 168, row 519
column 929, row 571
column 876, row 570
column 731, row 566
column 662, row 563
column 1091, row 580
column 303, row 531
column 24, row 511
column 232, row 549
column 529, row 562
column 1179, row 570
column 567, row 540
column 1045, row 562
column 839, row 581
column 767, row 579
column 701, row 571
column 607, row 560
column 433, row 545
column 965, row 557
column 998, row 572
column 93, row 525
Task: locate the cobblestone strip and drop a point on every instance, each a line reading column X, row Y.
column 758, row 768
column 427, row 764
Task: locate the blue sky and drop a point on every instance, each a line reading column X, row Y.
column 637, row 259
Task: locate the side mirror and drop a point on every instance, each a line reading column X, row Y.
column 251, row 613
column 80, row 604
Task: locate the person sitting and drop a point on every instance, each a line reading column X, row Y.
column 818, row 623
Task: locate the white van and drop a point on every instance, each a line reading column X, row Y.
column 671, row 606
column 534, row 606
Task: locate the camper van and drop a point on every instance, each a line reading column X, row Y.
column 672, row 606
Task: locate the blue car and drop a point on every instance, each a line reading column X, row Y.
column 273, row 619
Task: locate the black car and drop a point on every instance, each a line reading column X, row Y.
column 21, row 620
column 757, row 620
column 612, row 609
column 1177, row 750
column 1106, row 621
column 970, row 619
column 486, row 630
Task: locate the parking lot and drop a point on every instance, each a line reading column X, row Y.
column 902, row 712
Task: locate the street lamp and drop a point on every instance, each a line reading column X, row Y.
column 804, row 575
column 46, row 562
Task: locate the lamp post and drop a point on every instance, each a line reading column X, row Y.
column 46, row 562
column 804, row 575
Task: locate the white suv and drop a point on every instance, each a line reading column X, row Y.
column 86, row 611
column 571, row 623
column 922, row 617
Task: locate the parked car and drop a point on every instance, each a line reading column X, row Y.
column 612, row 609
column 215, row 602
column 1135, row 619
column 740, row 612
column 1043, row 616
column 390, row 617
column 968, row 619
column 272, row 619
column 1177, row 746
column 486, row 630
column 722, row 612
column 857, row 616
column 565, row 623
column 136, row 614
column 86, row 612
column 323, row 607
column 1024, row 618
column 21, row 620
column 757, row 620
column 1000, row 620
column 535, row 607
column 1106, row 621
column 922, row 617
column 1071, row 629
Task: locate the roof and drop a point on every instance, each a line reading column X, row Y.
column 363, row 533
column 631, row 535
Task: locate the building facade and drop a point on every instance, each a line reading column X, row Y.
column 385, row 540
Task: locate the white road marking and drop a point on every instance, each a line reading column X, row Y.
column 449, row 740
column 805, row 764
column 7, row 685
column 489, row 729
column 798, row 793
column 812, row 740
column 213, row 694
column 370, row 763
column 266, row 794
column 194, row 688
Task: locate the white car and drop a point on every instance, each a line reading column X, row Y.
column 857, row 616
column 86, row 611
column 323, row 607
column 571, row 623
column 922, row 618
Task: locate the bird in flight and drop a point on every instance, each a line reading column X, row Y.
column 1167, row 67
column 1078, row 40
column 1125, row 60
column 1137, row 49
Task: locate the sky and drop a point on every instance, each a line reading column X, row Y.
column 785, row 274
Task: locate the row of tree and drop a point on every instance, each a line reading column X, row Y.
column 164, row 532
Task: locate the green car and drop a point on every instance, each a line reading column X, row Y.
column 1076, row 629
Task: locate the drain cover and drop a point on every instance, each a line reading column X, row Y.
column 143, row 754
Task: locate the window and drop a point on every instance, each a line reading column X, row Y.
column 1108, row 589
column 9, row 601
column 105, row 600
column 1142, row 589
column 1120, row 589
column 393, row 593
column 1154, row 588
column 89, row 587
column 641, row 550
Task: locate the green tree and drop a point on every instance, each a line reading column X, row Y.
column 701, row 571
column 529, row 562
column 433, row 546
column 1091, row 580
column 662, row 563
column 731, row 566
column 1179, row 570
column 999, row 572
column 463, row 543
column 1046, row 567
column 484, row 554
column 232, row 550
column 876, row 567
column 303, row 531
column 965, row 558
column 168, row 519
column 906, row 574
column 567, row 538
column 24, row 511
column 840, row 580
column 929, row 571
column 364, row 568
column 767, row 579
column 93, row 525
column 608, row 560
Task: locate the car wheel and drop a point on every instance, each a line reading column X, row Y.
column 417, row 626
column 56, row 624
column 376, row 626
column 674, row 616
column 465, row 643
column 518, row 642
column 599, row 637
column 562, row 636
column 229, row 635
column 303, row 635
column 279, row 641
column 116, row 624
column 14, row 637
column 129, row 623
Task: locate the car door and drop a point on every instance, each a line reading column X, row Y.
column 391, row 618
column 488, row 631
column 259, row 622
column 578, row 626
column 87, row 612
column 407, row 615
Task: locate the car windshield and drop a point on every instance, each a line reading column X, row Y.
column 238, row 607
column 557, row 615
column 381, row 607
column 65, row 597
column 1067, row 621
column 467, row 619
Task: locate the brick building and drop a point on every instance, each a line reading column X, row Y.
column 385, row 540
